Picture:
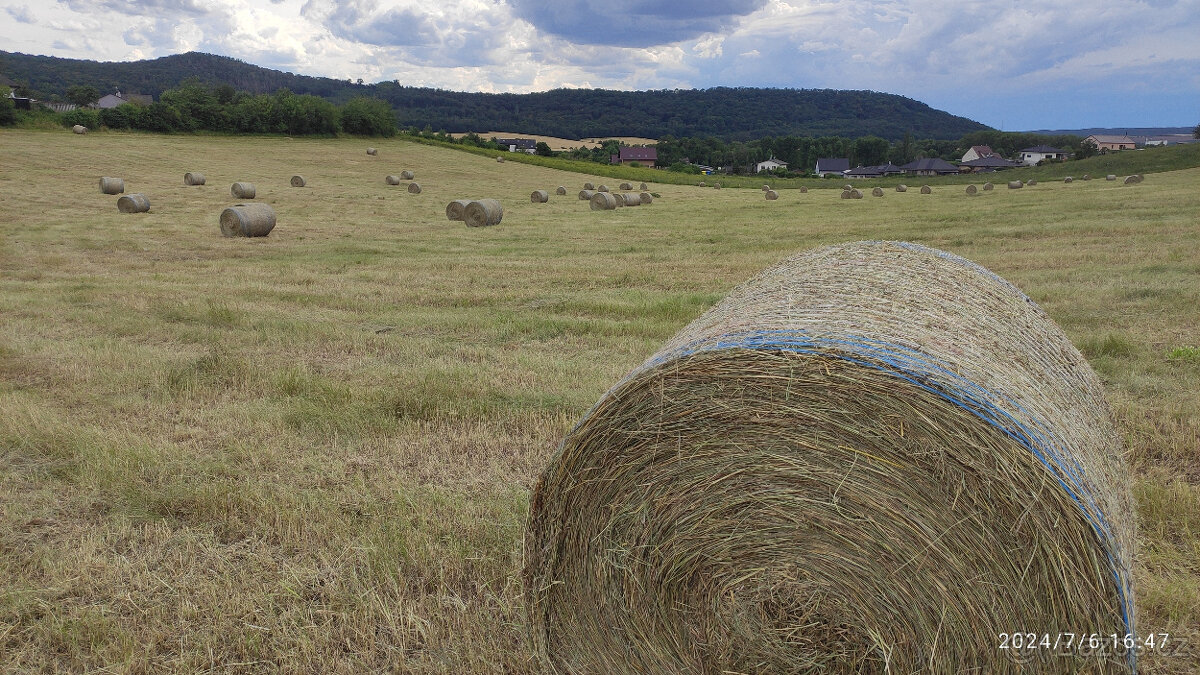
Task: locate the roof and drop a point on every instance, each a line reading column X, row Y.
column 630, row 154
column 983, row 150
column 880, row 170
column 1107, row 138
column 1043, row 149
column 776, row 162
column 838, row 164
column 520, row 143
column 931, row 164
column 992, row 161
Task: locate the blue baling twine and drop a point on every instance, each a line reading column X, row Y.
column 933, row 376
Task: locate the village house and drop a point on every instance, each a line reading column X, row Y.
column 986, row 164
column 114, row 100
column 1104, row 142
column 977, row 152
column 770, row 165
column 526, row 145
column 647, row 157
column 930, row 167
column 832, row 166
column 1031, row 156
column 879, row 171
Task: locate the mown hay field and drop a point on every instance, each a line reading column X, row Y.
column 313, row 451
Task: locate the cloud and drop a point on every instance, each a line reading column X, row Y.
column 632, row 23
column 21, row 14
column 140, row 7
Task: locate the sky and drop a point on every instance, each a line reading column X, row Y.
column 1015, row 66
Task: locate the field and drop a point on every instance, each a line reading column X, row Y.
column 312, row 452
column 558, row 144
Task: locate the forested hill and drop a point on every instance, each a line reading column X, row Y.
column 729, row 113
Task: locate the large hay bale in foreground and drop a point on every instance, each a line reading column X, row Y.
column 483, row 213
column 79, row 129
column 133, row 203
column 456, row 209
column 603, row 201
column 248, row 220
column 539, row 197
column 112, row 186
column 193, row 178
column 298, row 181
column 873, row 457
column 243, row 190
column 971, row 189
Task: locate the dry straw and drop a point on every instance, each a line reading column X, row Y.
column 79, row 129
column 112, row 186
column 456, row 209
column 133, row 203
column 1015, row 184
column 483, row 213
column 589, row 186
column 560, row 190
column 193, row 178
column 874, row 457
column 414, row 189
column 878, row 192
column 1110, row 176
column 602, row 188
column 586, row 195
column 643, row 187
column 1068, row 179
column 852, row 193
column 803, row 189
column 1031, row 181
column 703, row 184
column 603, row 201
column 407, row 175
column 626, row 186
column 987, row 187
column 539, row 196
column 902, row 188
column 971, row 189
column 248, row 220
column 242, row 190
column 298, row 181
column 716, row 186
column 771, row 195
column 646, row 198
column 630, row 198
column 372, row 151
column 500, row 160
column 391, row 180
column 925, row 189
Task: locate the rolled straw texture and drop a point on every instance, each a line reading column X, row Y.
column 925, row 189
column 560, row 190
column 873, row 457
column 483, row 213
column 877, row 192
column 248, row 220
column 589, row 186
column 603, row 201
column 771, row 195
column 626, row 186
column 414, row 189
column 242, row 190
column 803, row 188
column 193, row 178
column 1031, row 181
column 391, row 179
column 133, row 203
column 1111, row 176
column 456, row 209
column 902, row 188
column 586, row 195
column 643, row 187
column 971, row 189
column 602, row 188
column 988, row 186
column 539, row 196
column 630, row 198
column 646, row 198
column 716, row 186
column 1015, row 185
column 112, row 186
column 372, row 151
column 407, row 175
column 298, row 181
column 1068, row 179
column 79, row 129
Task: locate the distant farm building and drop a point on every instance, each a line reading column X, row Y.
column 832, row 166
column 526, row 145
column 977, row 152
column 986, row 164
column 114, row 100
column 1031, row 156
column 930, row 167
column 1105, row 142
column 645, row 156
column 770, row 165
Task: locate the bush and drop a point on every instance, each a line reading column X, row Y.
column 157, row 117
column 120, row 117
column 8, row 112
column 85, row 116
column 368, row 117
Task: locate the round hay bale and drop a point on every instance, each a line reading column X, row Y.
column 766, row 188
column 602, row 188
column 1140, row 177
column 414, row 189
column 703, row 184
column 643, row 187
column 803, row 189
column 133, row 203
column 987, row 187
column 372, row 152
column 500, row 160
column 1087, row 176
column 646, row 198
column 1131, row 180
column 483, row 213
column 193, row 178
column 248, row 220
column 589, row 186
column 603, row 201
column 971, row 189
column 79, row 129
column 716, row 186
column 902, row 188
column 866, row 450
column 391, row 180
column 112, row 186
column 586, row 195
column 407, row 175
column 626, row 186
column 1068, row 179
column 560, row 190
column 631, row 198
column 847, row 186
column 877, row 192
column 1110, row 177
column 539, row 197
column 298, row 181
column 1031, row 182
column 925, row 189
column 1015, row 185
column 771, row 195
column 855, row 193
column 242, row 190
column 456, row 209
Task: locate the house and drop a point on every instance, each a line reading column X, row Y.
column 880, row 171
column 526, row 145
column 61, row 107
column 770, row 165
column 645, row 156
column 832, row 166
column 977, row 152
column 1165, row 139
column 1105, row 142
column 114, row 100
column 930, row 167
column 1031, row 156
column 986, row 164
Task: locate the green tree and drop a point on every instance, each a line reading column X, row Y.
column 82, row 95
column 8, row 112
column 120, row 117
column 1084, row 149
column 368, row 117
column 543, row 149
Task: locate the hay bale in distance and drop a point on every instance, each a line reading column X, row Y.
column 372, row 152
column 987, row 187
column 112, row 186
column 134, row 202
column 483, row 213
column 1015, row 184
column 847, row 186
column 560, row 190
column 1110, row 176
column 703, row 184
column 539, row 197
column 626, row 186
column 877, row 192
column 771, row 195
column 500, row 160
column 766, row 187
column 852, row 193
column 855, row 404
column 589, row 186
column 391, row 180
column 603, row 201
column 586, row 195
column 1087, row 176
column 1131, row 180
column 716, row 186
column 1068, row 179
column 414, row 189
column 643, row 187
column 298, row 181
column 456, row 209
column 407, row 175
column 255, row 219
column 971, row 189
column 242, row 190
column 602, row 188
column 193, row 178
column 803, row 189
column 79, row 129
column 1031, row 182
column 646, row 198
column 630, row 198
column 902, row 188
column 925, row 189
